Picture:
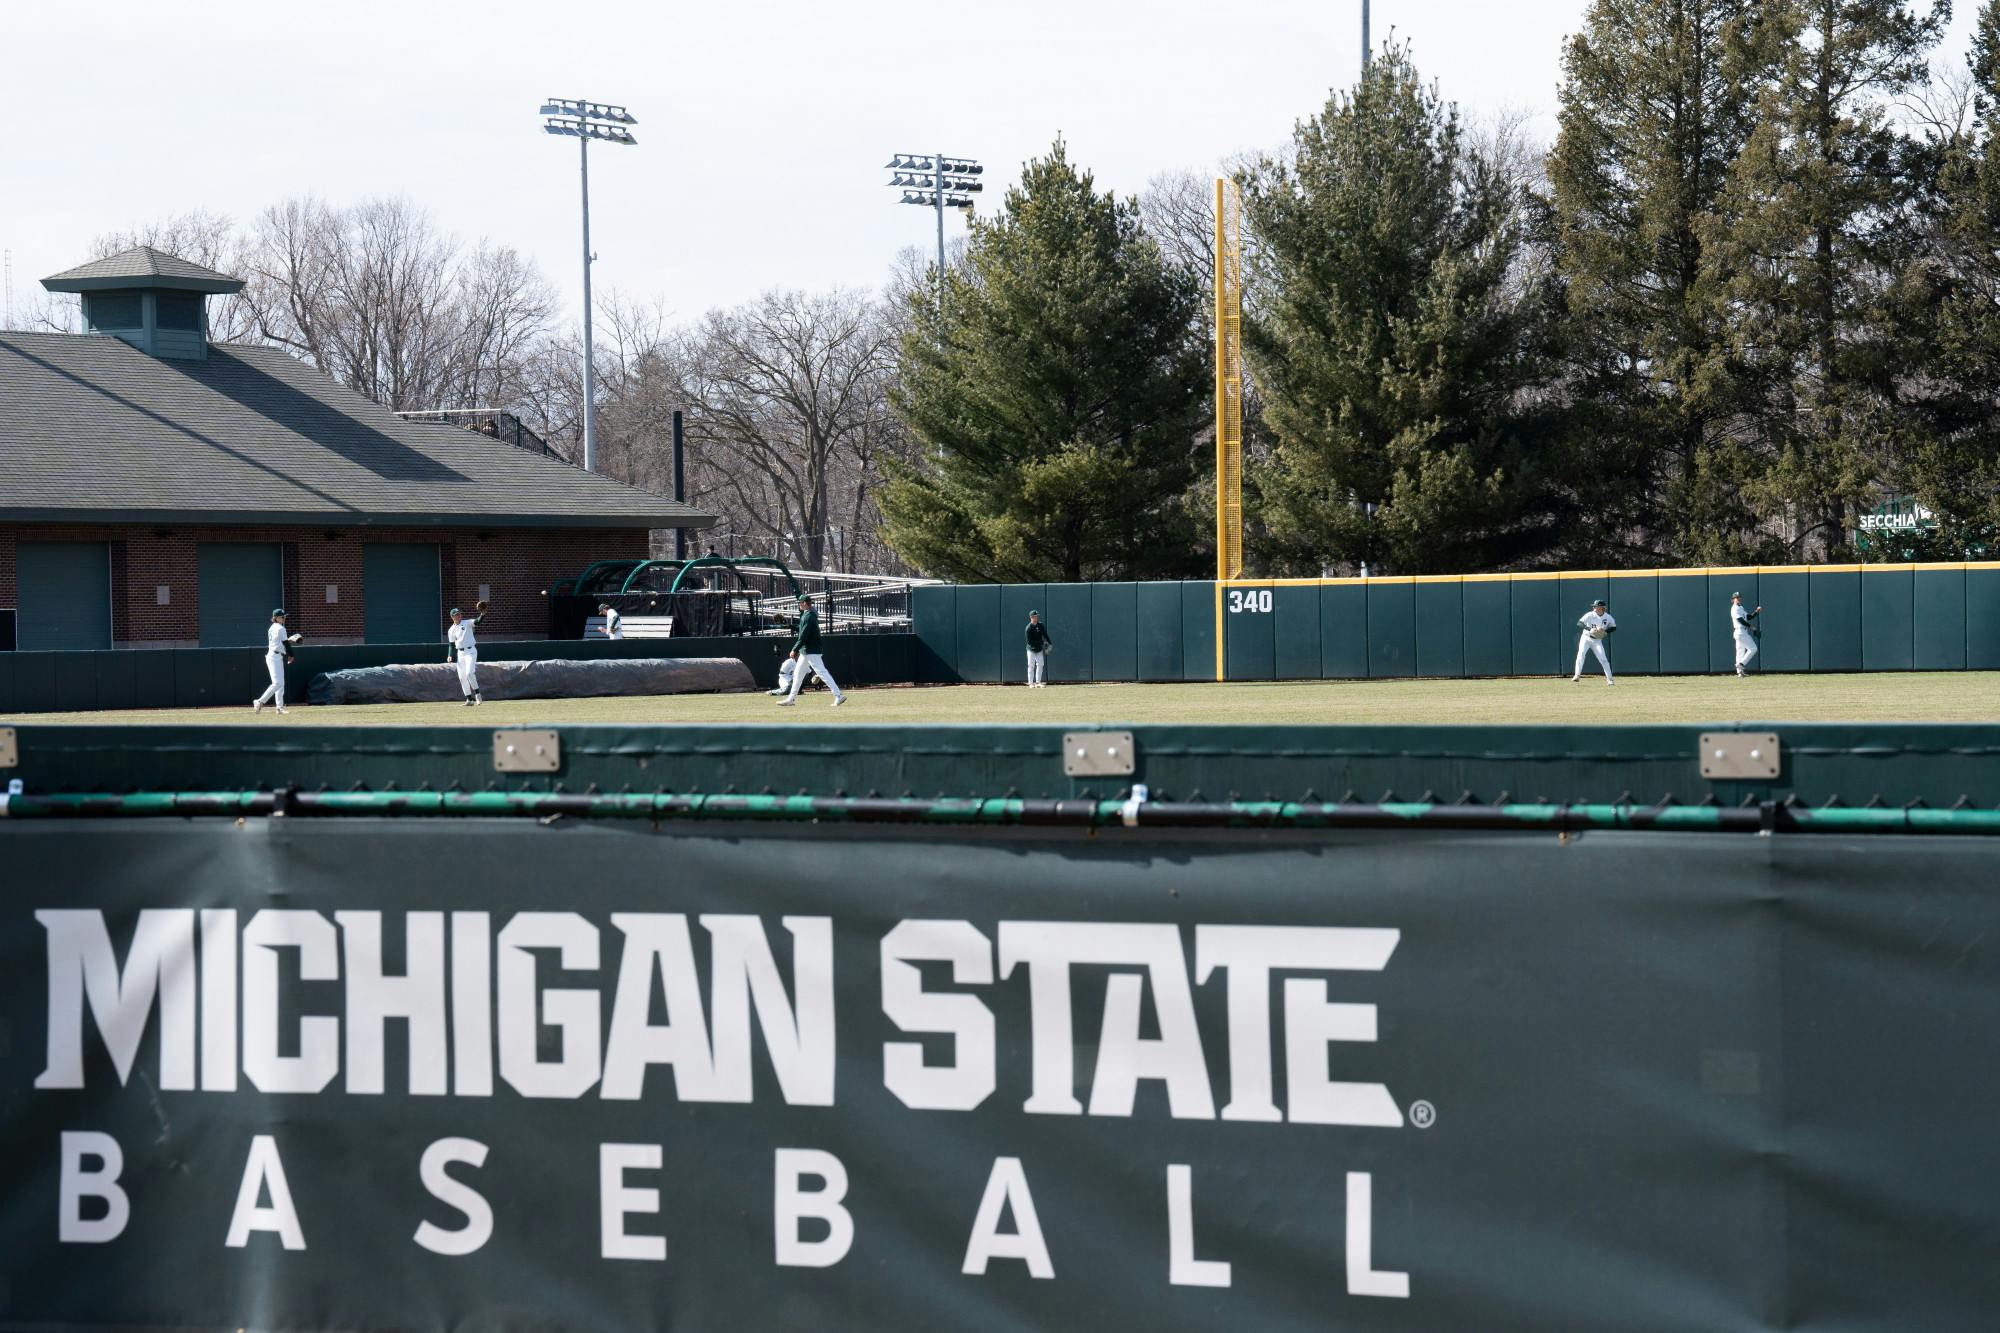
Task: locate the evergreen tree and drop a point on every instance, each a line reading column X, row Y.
column 1816, row 221
column 1949, row 454
column 1391, row 331
column 1058, row 388
column 1658, row 99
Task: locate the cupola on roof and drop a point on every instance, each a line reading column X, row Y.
column 156, row 301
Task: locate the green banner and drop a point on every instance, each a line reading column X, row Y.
column 281, row 1073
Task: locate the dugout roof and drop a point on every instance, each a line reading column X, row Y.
column 93, row 429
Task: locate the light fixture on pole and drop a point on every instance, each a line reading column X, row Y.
column 937, row 182
column 584, row 121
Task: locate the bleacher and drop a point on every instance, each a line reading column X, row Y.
column 634, row 627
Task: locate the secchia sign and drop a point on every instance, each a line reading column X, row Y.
column 1914, row 518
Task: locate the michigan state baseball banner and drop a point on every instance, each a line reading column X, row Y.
column 406, row 1074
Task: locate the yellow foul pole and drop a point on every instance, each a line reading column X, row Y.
column 1228, row 398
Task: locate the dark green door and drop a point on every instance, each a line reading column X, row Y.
column 65, row 594
column 238, row 585
column 399, row 592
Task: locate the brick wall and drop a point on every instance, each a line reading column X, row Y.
column 516, row 564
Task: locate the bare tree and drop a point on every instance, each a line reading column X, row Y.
column 375, row 296
column 788, row 407
column 1178, row 208
column 1942, row 111
column 1506, row 139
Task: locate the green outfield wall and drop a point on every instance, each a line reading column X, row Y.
column 1829, row 618
column 62, row 682
column 424, row 1073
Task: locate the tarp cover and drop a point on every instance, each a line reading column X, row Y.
column 437, row 682
column 396, row 1074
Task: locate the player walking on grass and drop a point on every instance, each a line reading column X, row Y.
column 1596, row 624
column 805, row 657
column 463, row 638
column 277, row 652
column 1039, row 644
column 1742, row 625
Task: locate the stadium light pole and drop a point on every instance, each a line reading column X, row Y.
column 584, row 121
column 937, row 182
column 1364, row 36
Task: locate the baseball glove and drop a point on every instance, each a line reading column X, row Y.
column 480, row 606
column 1599, row 632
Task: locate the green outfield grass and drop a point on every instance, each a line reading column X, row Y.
column 1902, row 697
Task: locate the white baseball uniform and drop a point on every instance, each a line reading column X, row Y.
column 614, row 625
column 1591, row 642
column 274, row 662
column 465, row 641
column 1746, row 642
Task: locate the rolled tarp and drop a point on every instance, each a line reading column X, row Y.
column 437, row 682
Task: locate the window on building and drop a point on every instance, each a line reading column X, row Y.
column 180, row 311
column 113, row 310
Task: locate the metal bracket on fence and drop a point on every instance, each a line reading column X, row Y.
column 1099, row 754
column 1740, row 755
column 10, row 749
column 526, row 751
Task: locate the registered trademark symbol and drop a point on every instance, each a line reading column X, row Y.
column 1423, row 1115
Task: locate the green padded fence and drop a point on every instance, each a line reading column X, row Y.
column 1833, row 765
column 1836, row 618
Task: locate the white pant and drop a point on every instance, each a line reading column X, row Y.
column 1746, row 648
column 1585, row 645
column 1038, row 667
column 814, row 663
column 468, row 672
column 275, row 664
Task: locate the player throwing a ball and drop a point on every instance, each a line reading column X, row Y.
column 464, row 649
column 1596, row 624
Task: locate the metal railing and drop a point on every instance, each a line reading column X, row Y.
column 494, row 422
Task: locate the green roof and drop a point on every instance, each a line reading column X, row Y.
column 142, row 266
column 95, row 430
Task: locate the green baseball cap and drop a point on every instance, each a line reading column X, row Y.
column 278, row 613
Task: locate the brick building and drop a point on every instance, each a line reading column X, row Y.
column 160, row 490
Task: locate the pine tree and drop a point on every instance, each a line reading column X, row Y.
column 1658, row 99
column 1390, row 332
column 1816, row 222
column 1949, row 301
column 1058, row 388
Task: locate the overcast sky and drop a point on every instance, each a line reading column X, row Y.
column 763, row 124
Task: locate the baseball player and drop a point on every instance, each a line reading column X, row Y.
column 1596, row 624
column 785, row 669
column 805, row 657
column 464, row 648
column 614, row 624
column 1743, row 625
column 277, row 652
column 1039, row 644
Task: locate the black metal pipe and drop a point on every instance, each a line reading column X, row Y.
column 680, row 489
